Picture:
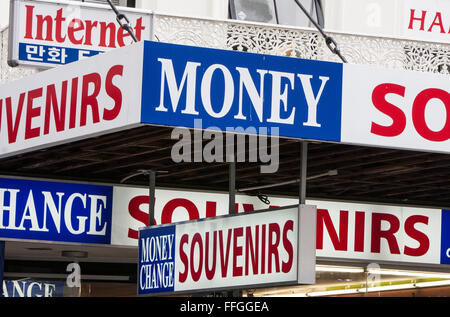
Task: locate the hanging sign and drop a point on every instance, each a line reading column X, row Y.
column 55, row 211
column 264, row 248
column 47, row 33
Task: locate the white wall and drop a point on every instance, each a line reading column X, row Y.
column 217, row 9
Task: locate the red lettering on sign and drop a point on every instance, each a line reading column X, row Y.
column 236, row 243
column 51, row 104
column 417, row 112
column 424, row 242
column 210, row 272
column 238, row 232
column 32, row 112
column 169, row 208
column 196, row 240
column 42, row 102
column 251, row 249
column 13, row 124
column 287, row 266
column 359, row 231
column 421, row 19
column 182, row 277
column 339, row 242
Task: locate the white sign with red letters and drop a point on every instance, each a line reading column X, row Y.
column 46, row 33
column 345, row 230
column 95, row 96
column 396, row 109
column 427, row 20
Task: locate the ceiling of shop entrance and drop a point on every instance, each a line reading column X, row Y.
column 358, row 173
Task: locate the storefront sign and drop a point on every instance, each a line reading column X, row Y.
column 46, row 34
column 54, row 211
column 427, row 20
column 359, row 231
column 29, row 288
column 228, row 89
column 261, row 248
column 92, row 97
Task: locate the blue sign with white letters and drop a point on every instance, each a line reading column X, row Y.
column 156, row 260
column 53, row 211
column 196, row 87
column 2, row 262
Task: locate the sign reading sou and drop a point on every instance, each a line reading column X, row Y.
column 261, row 248
column 47, row 34
column 228, row 89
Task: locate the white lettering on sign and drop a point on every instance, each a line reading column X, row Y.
column 87, row 207
column 427, row 20
column 75, row 101
column 279, row 101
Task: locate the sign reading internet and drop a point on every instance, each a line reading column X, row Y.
column 260, row 248
column 48, row 34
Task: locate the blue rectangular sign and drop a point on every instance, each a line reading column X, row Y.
column 54, row 211
column 228, row 90
column 29, row 288
column 156, row 260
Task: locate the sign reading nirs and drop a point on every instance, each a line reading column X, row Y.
column 252, row 249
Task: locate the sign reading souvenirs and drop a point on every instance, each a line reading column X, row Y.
column 345, row 230
column 427, row 20
column 45, row 33
column 89, row 213
column 54, row 211
column 260, row 248
column 227, row 89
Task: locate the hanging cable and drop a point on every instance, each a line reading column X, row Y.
column 331, row 43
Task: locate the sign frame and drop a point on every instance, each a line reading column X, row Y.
column 304, row 266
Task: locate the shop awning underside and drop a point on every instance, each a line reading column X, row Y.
column 363, row 173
